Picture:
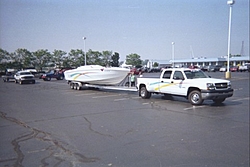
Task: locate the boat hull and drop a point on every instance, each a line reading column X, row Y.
column 97, row 75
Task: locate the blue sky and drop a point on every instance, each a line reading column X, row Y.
column 148, row 28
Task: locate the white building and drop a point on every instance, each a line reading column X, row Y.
column 205, row 61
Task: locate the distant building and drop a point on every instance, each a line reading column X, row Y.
column 204, row 61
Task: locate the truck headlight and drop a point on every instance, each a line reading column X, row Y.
column 229, row 85
column 210, row 86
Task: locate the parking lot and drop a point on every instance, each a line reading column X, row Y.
column 49, row 124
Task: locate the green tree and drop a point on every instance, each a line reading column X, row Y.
column 23, row 58
column 58, row 57
column 94, row 57
column 76, row 58
column 155, row 64
column 115, row 60
column 133, row 59
column 106, row 58
column 42, row 58
column 4, row 59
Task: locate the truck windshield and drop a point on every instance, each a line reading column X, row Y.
column 191, row 74
column 25, row 73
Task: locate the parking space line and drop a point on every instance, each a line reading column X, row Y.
column 121, row 99
column 194, row 107
column 86, row 94
column 247, row 98
column 137, row 97
column 95, row 97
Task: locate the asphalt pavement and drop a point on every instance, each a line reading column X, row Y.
column 49, row 124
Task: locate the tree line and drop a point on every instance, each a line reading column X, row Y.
column 23, row 58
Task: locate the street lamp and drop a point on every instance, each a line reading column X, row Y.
column 85, row 58
column 230, row 3
column 173, row 54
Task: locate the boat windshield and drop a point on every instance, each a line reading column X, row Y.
column 193, row 74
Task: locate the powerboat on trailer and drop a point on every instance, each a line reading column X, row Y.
column 96, row 74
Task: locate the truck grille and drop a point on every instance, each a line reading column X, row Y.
column 221, row 85
column 28, row 77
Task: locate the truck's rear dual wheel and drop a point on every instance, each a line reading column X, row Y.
column 144, row 93
column 195, row 97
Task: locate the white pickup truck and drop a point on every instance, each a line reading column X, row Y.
column 24, row 77
column 193, row 84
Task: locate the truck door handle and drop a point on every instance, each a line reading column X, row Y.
column 172, row 81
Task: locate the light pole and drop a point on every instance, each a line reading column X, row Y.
column 85, row 58
column 230, row 3
column 173, row 54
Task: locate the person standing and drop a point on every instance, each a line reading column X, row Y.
column 132, row 79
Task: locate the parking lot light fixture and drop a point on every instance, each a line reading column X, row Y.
column 85, row 57
column 230, row 3
column 173, row 54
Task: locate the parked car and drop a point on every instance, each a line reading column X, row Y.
column 217, row 68
column 57, row 74
column 193, row 67
column 243, row 68
column 233, row 68
column 9, row 75
column 223, row 69
column 204, row 68
column 210, row 68
column 155, row 69
column 136, row 71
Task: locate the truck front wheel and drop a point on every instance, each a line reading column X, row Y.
column 195, row 98
column 144, row 93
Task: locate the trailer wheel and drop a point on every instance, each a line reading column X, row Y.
column 144, row 93
column 195, row 98
column 77, row 86
column 71, row 85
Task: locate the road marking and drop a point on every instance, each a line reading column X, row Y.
column 238, row 89
column 86, row 94
column 95, row 97
column 136, row 97
column 247, row 98
column 194, row 107
column 121, row 99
